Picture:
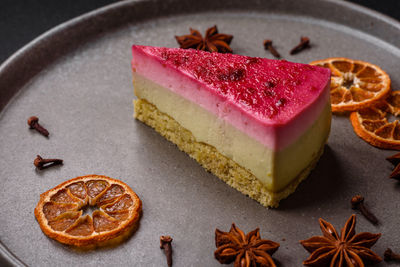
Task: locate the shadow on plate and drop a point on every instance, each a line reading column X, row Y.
column 325, row 182
column 47, row 170
column 397, row 185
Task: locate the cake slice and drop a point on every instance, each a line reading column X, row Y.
column 260, row 125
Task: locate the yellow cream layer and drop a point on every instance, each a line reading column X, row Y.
column 275, row 169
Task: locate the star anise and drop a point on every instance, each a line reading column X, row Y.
column 212, row 42
column 395, row 160
column 245, row 250
column 345, row 250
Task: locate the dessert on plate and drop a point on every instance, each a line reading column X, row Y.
column 260, row 125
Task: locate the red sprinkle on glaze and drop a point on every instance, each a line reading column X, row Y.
column 263, row 87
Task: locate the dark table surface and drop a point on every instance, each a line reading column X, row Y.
column 23, row 20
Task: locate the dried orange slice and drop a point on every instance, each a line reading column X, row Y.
column 61, row 211
column 355, row 84
column 372, row 125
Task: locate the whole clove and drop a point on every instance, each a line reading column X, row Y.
column 165, row 244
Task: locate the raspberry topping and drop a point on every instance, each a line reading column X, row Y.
column 268, row 89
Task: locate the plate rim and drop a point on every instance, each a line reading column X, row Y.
column 12, row 62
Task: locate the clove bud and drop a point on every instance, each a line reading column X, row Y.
column 165, row 244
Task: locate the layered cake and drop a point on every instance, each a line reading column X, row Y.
column 260, row 125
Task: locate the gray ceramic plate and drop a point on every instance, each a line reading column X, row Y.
column 77, row 79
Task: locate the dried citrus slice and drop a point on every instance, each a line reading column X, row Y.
column 372, row 124
column 355, row 84
column 61, row 211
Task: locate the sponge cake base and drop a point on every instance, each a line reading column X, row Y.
column 207, row 156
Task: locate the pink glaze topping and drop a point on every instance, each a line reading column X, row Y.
column 274, row 101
